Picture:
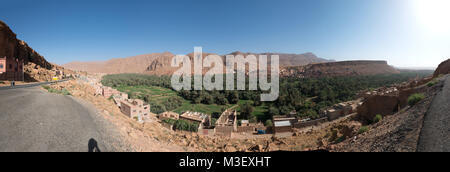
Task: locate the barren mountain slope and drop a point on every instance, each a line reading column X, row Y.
column 135, row 64
column 159, row 63
column 341, row 68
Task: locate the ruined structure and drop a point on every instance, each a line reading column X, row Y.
column 227, row 123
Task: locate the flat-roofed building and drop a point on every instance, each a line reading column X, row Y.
column 201, row 118
column 282, row 124
column 107, row 92
column 135, row 108
column 169, row 115
column 11, row 69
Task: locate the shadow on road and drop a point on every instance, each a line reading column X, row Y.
column 93, row 146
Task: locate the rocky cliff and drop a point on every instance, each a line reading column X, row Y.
column 443, row 68
column 342, row 68
column 135, row 64
column 11, row 47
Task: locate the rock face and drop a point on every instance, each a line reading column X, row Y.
column 11, row 48
column 342, row 68
column 135, row 64
column 378, row 104
column 443, row 68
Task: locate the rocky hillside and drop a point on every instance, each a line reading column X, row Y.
column 135, row 64
column 10, row 46
column 36, row 68
column 443, row 68
column 342, row 68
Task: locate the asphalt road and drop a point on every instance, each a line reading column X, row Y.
column 32, row 119
column 29, row 85
column 435, row 134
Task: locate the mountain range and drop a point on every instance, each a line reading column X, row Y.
column 159, row 63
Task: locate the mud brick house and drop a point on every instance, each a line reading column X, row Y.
column 15, row 53
column 135, row 108
column 11, row 69
column 119, row 98
column 169, row 115
column 197, row 117
column 226, row 124
column 282, row 124
column 107, row 92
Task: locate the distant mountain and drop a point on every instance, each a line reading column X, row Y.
column 135, row 64
column 159, row 63
column 291, row 59
column 341, row 68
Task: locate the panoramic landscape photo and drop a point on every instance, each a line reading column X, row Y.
column 225, row 76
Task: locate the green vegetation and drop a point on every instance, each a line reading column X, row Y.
column 45, row 87
column 363, row 129
column 415, row 98
column 182, row 125
column 307, row 96
column 339, row 139
column 52, row 90
column 268, row 123
column 169, row 121
column 377, row 118
column 432, row 83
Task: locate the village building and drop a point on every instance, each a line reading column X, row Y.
column 227, row 123
column 119, row 98
column 247, row 127
column 203, row 121
column 107, row 92
column 11, row 69
column 135, row 108
column 197, row 117
column 169, row 115
column 341, row 109
column 282, row 124
column 245, row 123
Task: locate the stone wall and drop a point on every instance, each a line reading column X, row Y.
column 378, row 104
column 245, row 129
column 310, row 123
column 224, row 130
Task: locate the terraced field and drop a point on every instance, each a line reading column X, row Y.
column 159, row 95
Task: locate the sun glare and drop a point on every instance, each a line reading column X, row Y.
column 434, row 15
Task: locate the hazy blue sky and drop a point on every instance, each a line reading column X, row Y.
column 393, row 30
